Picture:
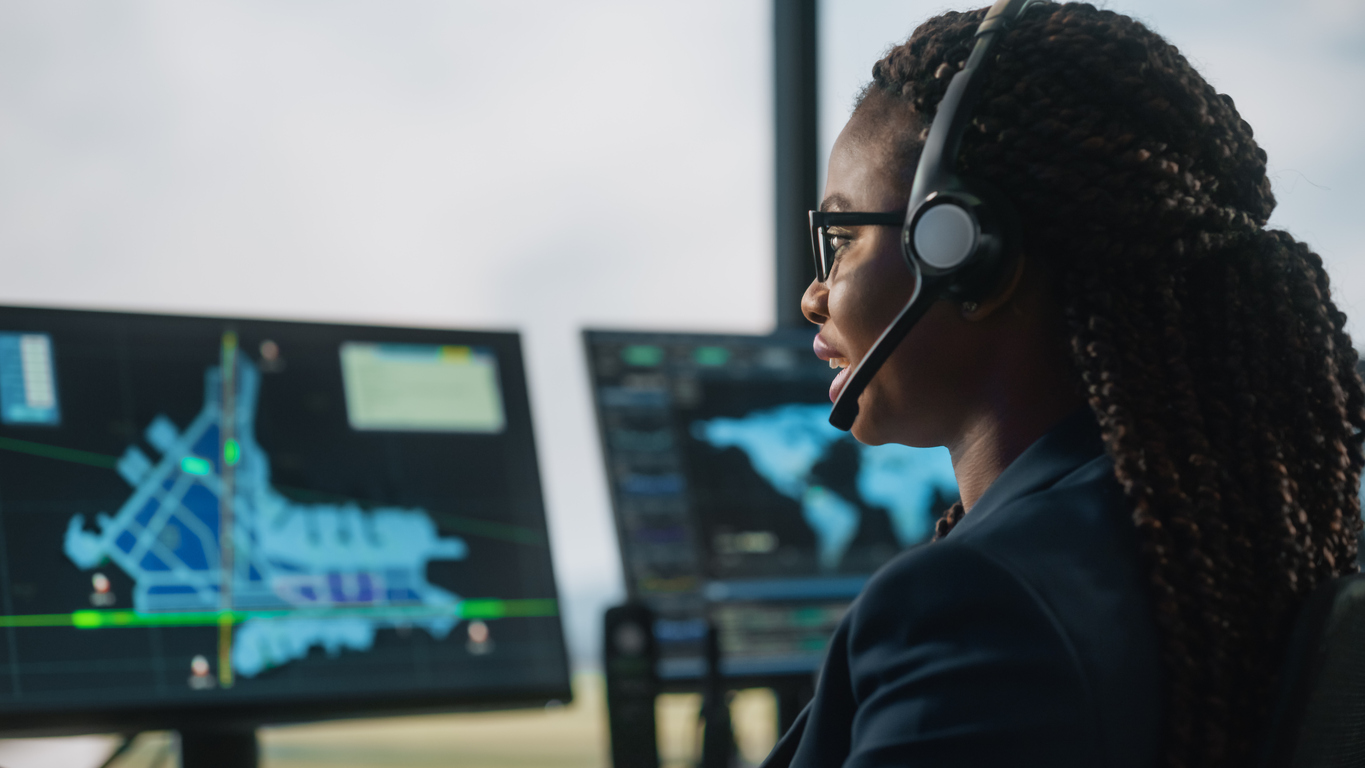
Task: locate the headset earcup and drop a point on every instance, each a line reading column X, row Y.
column 945, row 236
column 1000, row 244
column 967, row 234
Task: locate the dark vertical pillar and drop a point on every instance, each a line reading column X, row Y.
column 796, row 119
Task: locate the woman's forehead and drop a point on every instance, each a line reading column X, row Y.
column 866, row 167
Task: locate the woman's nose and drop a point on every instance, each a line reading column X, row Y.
column 815, row 302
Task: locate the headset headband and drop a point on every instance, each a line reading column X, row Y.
column 938, row 158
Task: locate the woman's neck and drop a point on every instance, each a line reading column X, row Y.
column 1026, row 402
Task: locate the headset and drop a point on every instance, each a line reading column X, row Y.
column 958, row 234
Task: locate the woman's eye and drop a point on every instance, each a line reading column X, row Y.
column 839, row 241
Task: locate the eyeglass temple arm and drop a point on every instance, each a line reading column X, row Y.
column 927, row 290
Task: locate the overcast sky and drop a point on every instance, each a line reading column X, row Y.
column 542, row 166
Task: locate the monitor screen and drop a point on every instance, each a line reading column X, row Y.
column 736, row 501
column 266, row 521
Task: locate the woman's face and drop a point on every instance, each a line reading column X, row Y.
column 916, row 398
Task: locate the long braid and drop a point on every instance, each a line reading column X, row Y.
column 1208, row 349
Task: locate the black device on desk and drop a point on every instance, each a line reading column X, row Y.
column 208, row 524
column 736, row 501
column 629, row 655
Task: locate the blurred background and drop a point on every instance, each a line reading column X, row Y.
column 535, row 166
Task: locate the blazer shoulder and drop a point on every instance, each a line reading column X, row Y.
column 947, row 642
column 950, row 578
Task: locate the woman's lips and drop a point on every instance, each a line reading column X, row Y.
column 825, row 351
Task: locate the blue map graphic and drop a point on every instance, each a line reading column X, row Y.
column 785, row 443
column 313, row 562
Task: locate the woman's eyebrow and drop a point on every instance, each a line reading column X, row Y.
column 835, row 202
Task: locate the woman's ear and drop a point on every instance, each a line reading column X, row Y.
column 975, row 311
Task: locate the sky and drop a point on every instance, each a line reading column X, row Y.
column 538, row 166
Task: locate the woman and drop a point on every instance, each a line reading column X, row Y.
column 1154, row 418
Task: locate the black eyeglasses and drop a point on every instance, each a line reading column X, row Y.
column 820, row 241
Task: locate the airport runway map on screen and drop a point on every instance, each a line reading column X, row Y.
column 215, row 513
column 293, row 558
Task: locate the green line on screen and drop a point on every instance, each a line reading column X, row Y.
column 58, row 452
column 480, row 608
column 490, row 530
column 502, row 609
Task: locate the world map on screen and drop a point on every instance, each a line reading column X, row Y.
column 784, row 444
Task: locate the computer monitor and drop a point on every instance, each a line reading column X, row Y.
column 212, row 522
column 736, row 502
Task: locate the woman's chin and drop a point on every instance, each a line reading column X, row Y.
column 883, row 420
column 871, row 427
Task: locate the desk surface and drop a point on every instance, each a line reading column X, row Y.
column 572, row 736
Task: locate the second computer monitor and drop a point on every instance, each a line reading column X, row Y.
column 736, row 501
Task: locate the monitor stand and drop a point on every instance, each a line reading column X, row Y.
column 219, row 749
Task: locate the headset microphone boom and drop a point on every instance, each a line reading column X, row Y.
column 957, row 233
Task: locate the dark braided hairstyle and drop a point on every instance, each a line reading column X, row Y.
column 1208, row 347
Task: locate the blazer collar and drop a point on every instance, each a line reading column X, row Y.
column 1072, row 442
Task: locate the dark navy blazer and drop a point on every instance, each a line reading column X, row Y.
column 1025, row 637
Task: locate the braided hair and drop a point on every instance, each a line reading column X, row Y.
column 1208, row 347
